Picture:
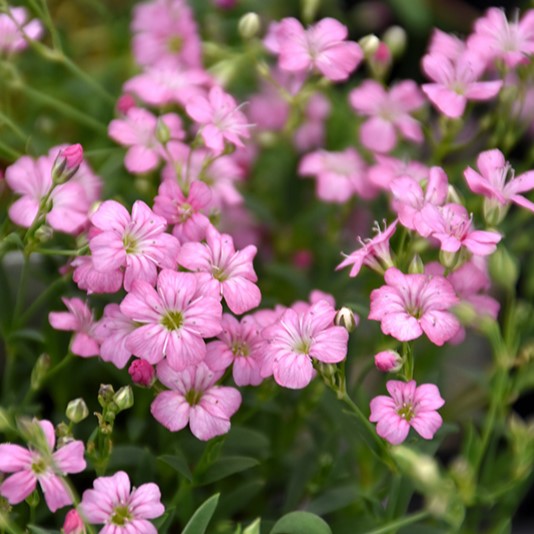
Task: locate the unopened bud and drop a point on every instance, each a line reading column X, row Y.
column 142, row 373
column 125, row 103
column 369, row 44
column 33, row 499
column 503, row 268
column 163, row 134
column 309, row 10
column 39, row 371
column 67, row 163
column 32, row 433
column 105, row 394
column 44, row 233
column 124, row 398
column 346, row 318
column 249, row 25
column 420, row 467
column 416, row 265
column 77, row 410
column 395, row 38
column 388, row 361
column 73, row 523
column 448, row 259
column 494, row 211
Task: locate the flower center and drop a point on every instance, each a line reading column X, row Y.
column 218, row 273
column 192, row 397
column 121, row 515
column 172, row 320
column 39, row 467
column 303, row 346
column 175, row 44
column 240, row 348
column 406, row 411
column 130, row 244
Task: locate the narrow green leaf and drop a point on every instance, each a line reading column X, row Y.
column 301, row 523
column 224, row 467
column 201, row 518
column 254, row 527
column 27, row 333
column 178, row 462
column 38, row 530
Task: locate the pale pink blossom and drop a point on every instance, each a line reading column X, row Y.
column 296, row 338
column 194, row 399
column 73, row 523
column 138, row 243
column 411, row 304
column 142, row 373
column 174, row 318
column 122, row 510
column 138, row 131
column 11, row 37
column 315, row 296
column 340, row 175
column 408, row 406
column 223, row 269
column 40, row 464
column 93, row 281
column 240, row 343
column 456, row 82
column 321, row 47
column 78, row 319
column 386, row 169
column 446, row 44
column 220, row 119
column 388, row 112
column 388, row 361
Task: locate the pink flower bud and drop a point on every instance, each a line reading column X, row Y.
column 142, row 373
column 388, row 361
column 382, row 54
column 74, row 155
column 67, row 163
column 225, row 4
column 73, row 523
column 125, row 103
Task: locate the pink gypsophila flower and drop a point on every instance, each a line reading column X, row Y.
column 78, row 319
column 408, row 406
column 239, row 343
column 175, row 318
column 40, row 464
column 321, row 47
column 389, row 113
column 194, row 399
column 411, row 304
column 137, row 243
column 296, row 338
column 446, row 44
column 386, row 169
column 73, row 523
column 142, row 373
column 11, row 39
column 224, row 270
column 89, row 279
column 123, row 511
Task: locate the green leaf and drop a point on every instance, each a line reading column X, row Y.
column 27, row 333
column 178, row 462
column 301, row 523
column 201, row 518
column 335, row 499
column 254, row 527
column 38, row 530
column 224, row 467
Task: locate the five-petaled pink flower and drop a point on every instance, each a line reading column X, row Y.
column 40, row 464
column 194, row 399
column 411, row 304
column 122, row 510
column 11, row 38
column 409, row 406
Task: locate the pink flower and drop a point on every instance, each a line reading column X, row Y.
column 374, row 252
column 408, row 406
column 220, row 118
column 239, row 343
column 41, row 465
column 387, row 169
column 174, row 318
column 78, row 319
column 456, row 82
column 446, row 44
column 411, row 304
column 194, row 399
column 497, row 182
column 388, row 361
column 389, row 113
column 296, row 338
column 122, row 510
column 142, row 373
column 136, row 243
column 67, row 163
column 138, row 130
column 11, row 39
column 496, row 38
column 89, row 279
column 73, row 523
column 340, row 175
column 321, row 47
column 224, row 270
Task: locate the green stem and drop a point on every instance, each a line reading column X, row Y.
column 21, row 291
column 398, row 523
column 8, row 122
column 10, row 151
column 43, row 297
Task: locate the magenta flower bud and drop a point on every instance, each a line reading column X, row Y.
column 74, row 155
column 142, row 373
column 73, row 523
column 125, row 103
column 67, row 163
column 388, row 361
column 225, row 4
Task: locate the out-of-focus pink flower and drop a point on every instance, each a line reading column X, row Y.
column 194, row 399
column 456, row 82
column 408, row 406
column 387, row 169
column 142, row 373
column 138, row 131
column 78, row 319
column 73, row 523
column 321, row 47
column 388, row 361
column 239, row 343
column 125, row 103
column 124, row 511
column 296, row 338
column 165, row 31
column 11, row 39
column 496, row 38
column 137, row 243
column 311, row 133
column 411, row 304
column 40, row 465
column 374, row 252
column 389, row 113
column 446, row 44
column 220, row 119
column 174, row 319
column 223, row 269
column 225, row 4
column 340, row 175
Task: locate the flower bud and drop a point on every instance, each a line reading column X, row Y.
column 142, row 373
column 105, row 394
column 163, row 134
column 33, row 499
column 448, row 259
column 225, row 4
column 388, row 361
column 73, row 523
column 422, row 468
column 67, row 163
column 395, row 38
column 309, row 9
column 125, row 103
column 39, row 371
column 32, row 433
column 249, row 25
column 77, row 410
column 416, row 265
column 124, row 398
column 347, row 319
column 369, row 44
column 503, row 268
